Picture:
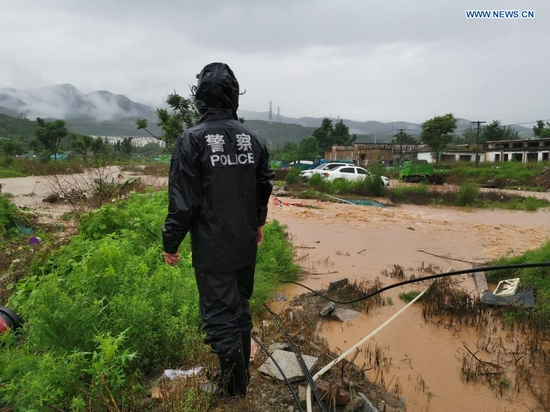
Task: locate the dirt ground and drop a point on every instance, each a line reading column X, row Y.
column 337, row 240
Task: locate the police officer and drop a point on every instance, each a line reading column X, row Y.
column 219, row 188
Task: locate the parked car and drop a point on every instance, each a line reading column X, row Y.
column 306, row 174
column 353, row 173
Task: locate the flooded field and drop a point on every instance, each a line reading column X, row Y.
column 422, row 361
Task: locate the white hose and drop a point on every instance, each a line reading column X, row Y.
column 350, row 350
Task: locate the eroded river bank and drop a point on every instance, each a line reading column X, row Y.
column 423, row 359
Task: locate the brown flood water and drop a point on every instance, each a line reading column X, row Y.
column 359, row 242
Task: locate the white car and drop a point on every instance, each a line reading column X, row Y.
column 353, row 173
column 306, row 174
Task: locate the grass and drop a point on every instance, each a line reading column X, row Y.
column 467, row 194
column 104, row 311
column 538, row 278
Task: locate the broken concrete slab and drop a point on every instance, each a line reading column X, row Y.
column 289, row 365
column 337, row 284
column 328, row 308
column 344, row 314
column 278, row 346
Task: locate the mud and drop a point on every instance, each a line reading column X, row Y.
column 422, row 360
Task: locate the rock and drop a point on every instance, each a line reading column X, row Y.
column 343, row 314
column 289, row 365
column 387, row 408
column 51, row 198
column 368, row 406
column 356, row 404
column 278, row 346
column 337, row 284
column 329, row 392
column 329, row 307
column 280, row 297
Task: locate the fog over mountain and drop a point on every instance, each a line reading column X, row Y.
column 65, row 101
column 105, row 113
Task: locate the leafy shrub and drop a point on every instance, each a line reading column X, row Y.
column 371, row 186
column 403, row 193
column 467, row 194
column 7, row 214
column 293, row 176
column 11, row 218
column 537, row 277
column 105, row 310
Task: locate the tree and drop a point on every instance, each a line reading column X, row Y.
column 469, row 135
column 403, row 138
column 328, row 135
column 82, row 145
column 10, row 148
column 288, row 153
column 183, row 114
column 308, row 149
column 541, row 130
column 49, row 134
column 125, row 147
column 438, row 133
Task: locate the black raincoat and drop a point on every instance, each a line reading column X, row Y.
column 220, row 180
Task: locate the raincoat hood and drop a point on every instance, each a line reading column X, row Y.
column 217, row 88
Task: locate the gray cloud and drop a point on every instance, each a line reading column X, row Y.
column 356, row 59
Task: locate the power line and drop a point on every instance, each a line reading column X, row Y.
column 478, row 123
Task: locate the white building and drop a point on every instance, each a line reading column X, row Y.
column 136, row 141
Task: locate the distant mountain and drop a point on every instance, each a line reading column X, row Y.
column 368, row 131
column 65, row 101
column 108, row 114
column 99, row 112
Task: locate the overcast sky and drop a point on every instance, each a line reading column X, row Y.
column 356, row 59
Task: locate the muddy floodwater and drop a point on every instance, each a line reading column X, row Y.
column 422, row 360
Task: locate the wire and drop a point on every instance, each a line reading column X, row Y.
column 366, row 338
column 430, row 277
column 296, row 398
column 300, row 359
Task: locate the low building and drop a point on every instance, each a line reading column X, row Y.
column 525, row 151
column 364, row 154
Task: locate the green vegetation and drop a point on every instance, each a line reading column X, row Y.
column 314, row 146
column 10, row 217
column 539, row 317
column 466, row 195
column 541, row 129
column 183, row 114
column 409, row 296
column 501, row 175
column 365, row 187
column 16, row 127
column 105, row 310
column 438, row 133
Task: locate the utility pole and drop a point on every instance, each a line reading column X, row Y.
column 477, row 140
column 400, row 145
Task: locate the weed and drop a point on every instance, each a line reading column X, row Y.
column 105, row 310
column 467, row 194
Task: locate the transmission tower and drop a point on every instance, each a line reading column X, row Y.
column 278, row 114
column 270, row 119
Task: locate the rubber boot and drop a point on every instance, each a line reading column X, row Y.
column 233, row 372
column 246, row 354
